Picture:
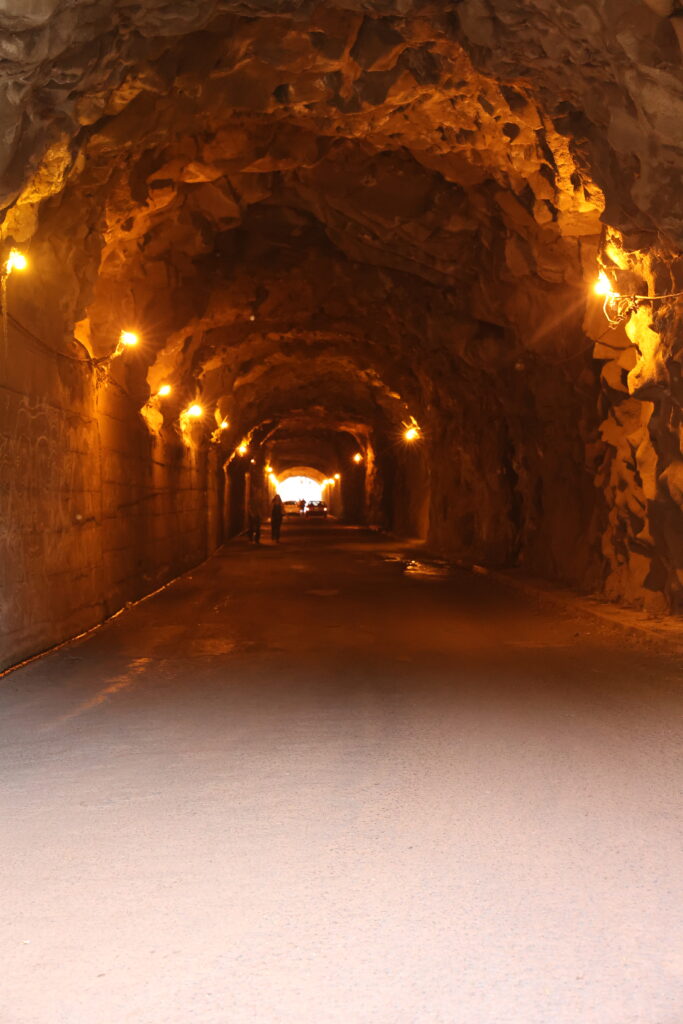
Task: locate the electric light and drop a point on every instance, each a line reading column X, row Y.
column 358, row 458
column 411, row 433
column 337, row 476
column 617, row 307
column 195, row 411
column 224, row 425
column 269, row 469
column 128, row 338
column 15, row 261
column 164, row 391
column 243, row 448
column 602, row 286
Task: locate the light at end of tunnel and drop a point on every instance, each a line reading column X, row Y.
column 602, row 286
column 411, row 433
column 358, row 458
column 15, row 261
column 195, row 411
column 164, row 391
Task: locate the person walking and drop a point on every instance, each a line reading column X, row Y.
column 276, row 513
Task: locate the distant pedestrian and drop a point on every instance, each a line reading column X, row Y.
column 254, row 523
column 276, row 513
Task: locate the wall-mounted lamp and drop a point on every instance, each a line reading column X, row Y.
column 15, row 261
column 618, row 307
column 222, row 426
column 127, row 339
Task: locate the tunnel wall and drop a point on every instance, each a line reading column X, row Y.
column 513, row 467
column 95, row 511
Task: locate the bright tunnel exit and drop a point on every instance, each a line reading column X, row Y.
column 300, row 488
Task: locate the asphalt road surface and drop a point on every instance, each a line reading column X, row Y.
column 303, row 784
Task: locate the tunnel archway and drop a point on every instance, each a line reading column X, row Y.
column 322, row 227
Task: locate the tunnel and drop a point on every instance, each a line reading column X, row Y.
column 425, row 253
column 324, row 225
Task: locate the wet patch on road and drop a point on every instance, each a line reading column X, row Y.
column 430, row 570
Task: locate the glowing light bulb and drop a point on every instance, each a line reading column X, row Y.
column 337, row 476
column 15, row 261
column 195, row 411
column 128, row 338
column 224, row 425
column 358, row 458
column 411, row 433
column 602, row 286
column 164, row 391
column 243, row 448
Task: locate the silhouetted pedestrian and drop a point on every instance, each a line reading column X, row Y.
column 276, row 513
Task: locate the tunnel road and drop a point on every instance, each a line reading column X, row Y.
column 304, row 785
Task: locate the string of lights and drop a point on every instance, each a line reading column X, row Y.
column 127, row 339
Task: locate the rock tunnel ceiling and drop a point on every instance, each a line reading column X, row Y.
column 329, row 220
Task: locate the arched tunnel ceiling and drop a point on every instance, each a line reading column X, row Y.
column 345, row 205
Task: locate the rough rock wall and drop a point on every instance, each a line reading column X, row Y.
column 335, row 218
column 640, row 468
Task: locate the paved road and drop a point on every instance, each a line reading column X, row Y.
column 302, row 785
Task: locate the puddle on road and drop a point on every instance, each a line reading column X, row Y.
column 430, row 570
column 433, row 568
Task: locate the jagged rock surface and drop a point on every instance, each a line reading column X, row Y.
column 325, row 220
